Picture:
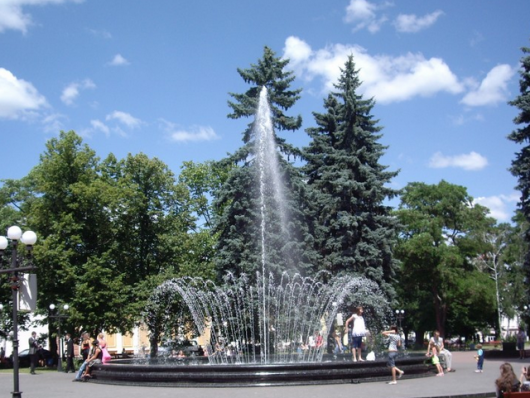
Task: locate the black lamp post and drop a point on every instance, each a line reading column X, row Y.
column 400, row 315
column 16, row 265
column 59, row 316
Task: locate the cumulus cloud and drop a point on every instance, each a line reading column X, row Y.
column 12, row 15
column 388, row 79
column 193, row 134
column 71, row 92
column 118, row 60
column 125, row 119
column 471, row 161
column 53, row 123
column 498, row 205
column 18, row 97
column 410, row 23
column 363, row 14
column 98, row 125
column 493, row 89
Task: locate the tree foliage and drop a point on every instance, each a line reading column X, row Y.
column 437, row 242
column 354, row 229
column 521, row 164
column 107, row 231
column 237, row 202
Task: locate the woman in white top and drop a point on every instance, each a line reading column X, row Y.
column 358, row 332
column 394, row 341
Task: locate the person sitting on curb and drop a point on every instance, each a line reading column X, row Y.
column 94, row 355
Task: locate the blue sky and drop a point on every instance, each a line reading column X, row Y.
column 153, row 76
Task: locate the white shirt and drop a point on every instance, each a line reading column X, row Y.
column 359, row 328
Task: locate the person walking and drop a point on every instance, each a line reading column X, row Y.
column 69, row 354
column 394, row 341
column 33, row 351
column 358, row 332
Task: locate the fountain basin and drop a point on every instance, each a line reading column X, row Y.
column 196, row 373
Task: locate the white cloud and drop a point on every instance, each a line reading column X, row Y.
column 124, row 118
column 471, row 161
column 71, row 92
column 104, row 34
column 410, row 23
column 118, row 60
column 53, row 122
column 492, row 89
column 18, row 97
column 388, row 79
column 363, row 14
column 98, row 125
column 498, row 205
column 13, row 17
column 194, row 133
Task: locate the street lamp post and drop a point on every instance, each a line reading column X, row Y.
column 59, row 316
column 29, row 238
column 400, row 315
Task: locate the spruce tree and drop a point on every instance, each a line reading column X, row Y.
column 356, row 230
column 238, row 226
column 521, row 164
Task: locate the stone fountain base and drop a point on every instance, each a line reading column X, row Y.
column 195, row 373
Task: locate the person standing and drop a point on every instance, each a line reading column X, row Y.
column 394, row 341
column 521, row 338
column 358, row 332
column 85, row 345
column 438, row 342
column 33, row 350
column 436, row 362
column 69, row 354
column 480, row 358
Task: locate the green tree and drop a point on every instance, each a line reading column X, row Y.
column 521, row 164
column 494, row 260
column 436, row 245
column 237, row 202
column 203, row 181
column 356, row 230
column 70, row 214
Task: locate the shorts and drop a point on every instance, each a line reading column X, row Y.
column 391, row 363
column 357, row 341
column 520, row 345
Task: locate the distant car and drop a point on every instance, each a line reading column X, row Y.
column 43, row 357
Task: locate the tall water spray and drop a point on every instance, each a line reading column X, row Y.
column 269, row 183
column 271, row 321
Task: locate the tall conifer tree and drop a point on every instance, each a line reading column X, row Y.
column 521, row 165
column 356, row 230
column 239, row 249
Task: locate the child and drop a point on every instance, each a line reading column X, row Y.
column 436, row 361
column 480, row 358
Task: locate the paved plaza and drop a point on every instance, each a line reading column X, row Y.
column 464, row 382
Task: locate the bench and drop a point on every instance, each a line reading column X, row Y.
column 524, row 394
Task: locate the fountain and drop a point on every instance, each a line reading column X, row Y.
column 263, row 327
